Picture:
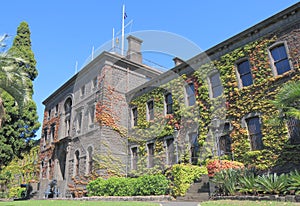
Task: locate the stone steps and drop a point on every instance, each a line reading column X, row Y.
column 198, row 191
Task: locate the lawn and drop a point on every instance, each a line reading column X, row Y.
column 74, row 203
column 247, row 203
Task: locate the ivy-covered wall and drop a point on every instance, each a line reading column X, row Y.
column 234, row 105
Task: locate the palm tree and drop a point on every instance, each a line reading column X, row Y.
column 12, row 79
column 288, row 100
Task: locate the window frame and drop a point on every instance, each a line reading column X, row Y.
column 238, row 74
column 168, row 104
column 134, row 118
column 190, row 94
column 272, row 62
column 211, row 88
column 254, row 135
column 134, row 159
column 150, row 112
column 150, row 157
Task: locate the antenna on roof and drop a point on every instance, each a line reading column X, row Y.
column 113, row 40
column 92, row 52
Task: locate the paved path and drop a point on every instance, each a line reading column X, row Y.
column 180, row 203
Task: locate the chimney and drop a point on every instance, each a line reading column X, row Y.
column 177, row 61
column 134, row 49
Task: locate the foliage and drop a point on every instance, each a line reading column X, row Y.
column 226, row 182
column 19, row 128
column 245, row 181
column 214, row 166
column 13, row 79
column 121, row 186
column 182, row 176
column 272, row 183
column 287, row 99
column 16, row 192
column 294, row 182
column 78, row 203
column 23, row 170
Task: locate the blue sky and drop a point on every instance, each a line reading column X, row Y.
column 64, row 32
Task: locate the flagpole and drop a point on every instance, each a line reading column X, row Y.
column 113, row 40
column 123, row 15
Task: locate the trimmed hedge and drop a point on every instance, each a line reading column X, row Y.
column 121, row 186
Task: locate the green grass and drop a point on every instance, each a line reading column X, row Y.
column 247, row 203
column 74, row 203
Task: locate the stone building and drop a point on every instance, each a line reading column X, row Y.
column 70, row 136
column 215, row 104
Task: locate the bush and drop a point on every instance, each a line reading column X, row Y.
column 214, row 166
column 182, row 175
column 294, row 183
column 16, row 192
column 120, row 186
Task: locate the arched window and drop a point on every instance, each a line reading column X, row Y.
column 68, row 105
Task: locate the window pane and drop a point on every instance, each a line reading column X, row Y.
column 282, row 66
column 245, row 73
column 169, row 103
column 216, row 86
column 247, row 80
column 150, row 110
column 254, row 130
column 280, row 58
column 190, row 91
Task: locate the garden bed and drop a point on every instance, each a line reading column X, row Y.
column 286, row 198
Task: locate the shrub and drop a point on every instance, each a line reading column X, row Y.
column 294, row 182
column 182, row 175
column 272, row 183
column 16, row 192
column 120, row 186
column 214, row 166
column 226, row 181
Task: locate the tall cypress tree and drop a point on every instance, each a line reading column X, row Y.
column 20, row 126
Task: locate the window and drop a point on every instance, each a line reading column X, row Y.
column 52, row 130
column 280, row 59
column 89, row 160
column 294, row 130
column 56, row 109
column 68, row 105
column 225, row 141
column 134, row 158
column 150, row 147
column 49, row 114
column 194, row 147
column 95, row 82
column 190, row 94
column 76, row 163
column 45, row 135
column 170, row 151
column 225, row 145
column 244, row 73
column 255, row 135
column 92, row 114
column 216, row 88
column 134, row 116
column 150, row 110
column 169, row 103
column 82, row 90
column 79, row 121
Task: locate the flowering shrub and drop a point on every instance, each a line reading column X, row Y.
column 214, row 166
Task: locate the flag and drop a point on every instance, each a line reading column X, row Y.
column 125, row 15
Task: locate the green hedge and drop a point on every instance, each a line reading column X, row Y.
column 182, row 176
column 121, row 186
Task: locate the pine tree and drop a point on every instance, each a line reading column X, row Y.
column 20, row 126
